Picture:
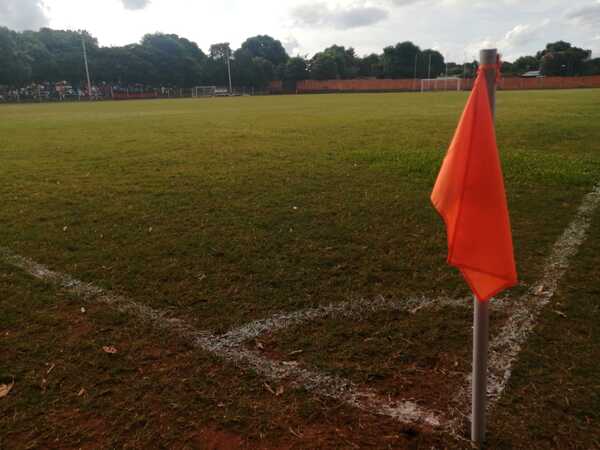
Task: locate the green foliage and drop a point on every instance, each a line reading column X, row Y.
column 525, row 64
column 266, row 47
column 371, row 66
column 170, row 60
column 296, row 69
column 324, row 67
column 562, row 59
column 335, row 62
column 14, row 64
column 405, row 60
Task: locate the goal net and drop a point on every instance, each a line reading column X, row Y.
column 204, row 91
column 440, row 84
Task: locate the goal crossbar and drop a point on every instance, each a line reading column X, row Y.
column 441, row 84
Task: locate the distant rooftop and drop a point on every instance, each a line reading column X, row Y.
column 532, row 74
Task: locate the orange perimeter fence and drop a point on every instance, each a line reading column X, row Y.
column 512, row 83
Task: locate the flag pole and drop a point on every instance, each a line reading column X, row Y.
column 481, row 314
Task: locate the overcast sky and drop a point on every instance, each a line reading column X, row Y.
column 457, row 28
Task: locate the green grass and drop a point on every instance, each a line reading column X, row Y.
column 228, row 210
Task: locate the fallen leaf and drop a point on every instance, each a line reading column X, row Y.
column 5, row 389
column 81, row 392
column 109, row 349
column 296, row 433
column 539, row 290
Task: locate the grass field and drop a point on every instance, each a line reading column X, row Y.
column 225, row 211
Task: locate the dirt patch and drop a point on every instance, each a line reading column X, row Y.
column 211, row 438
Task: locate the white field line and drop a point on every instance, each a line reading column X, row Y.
column 346, row 310
column 506, row 346
column 504, row 349
column 229, row 346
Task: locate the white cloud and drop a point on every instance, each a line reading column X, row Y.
column 291, row 45
column 135, row 4
column 320, row 14
column 458, row 28
column 23, row 14
column 586, row 15
column 519, row 40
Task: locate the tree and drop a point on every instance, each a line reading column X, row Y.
column 592, row 67
column 266, row 47
column 324, row 67
column 215, row 66
column 220, row 51
column 176, row 60
column 399, row 60
column 15, row 67
column 370, row 66
column 437, row 64
column 525, row 64
column 248, row 70
column 562, row 59
column 296, row 69
column 345, row 60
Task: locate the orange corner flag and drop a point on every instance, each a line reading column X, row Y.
column 469, row 195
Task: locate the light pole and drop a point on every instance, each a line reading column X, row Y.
column 229, row 69
column 429, row 69
column 415, row 75
column 87, row 70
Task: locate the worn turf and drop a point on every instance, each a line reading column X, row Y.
column 229, row 210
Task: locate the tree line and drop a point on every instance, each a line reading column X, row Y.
column 170, row 60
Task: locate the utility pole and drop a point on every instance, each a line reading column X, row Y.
column 415, row 76
column 229, row 69
column 429, row 70
column 87, row 70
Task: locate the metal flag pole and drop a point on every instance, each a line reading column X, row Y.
column 481, row 315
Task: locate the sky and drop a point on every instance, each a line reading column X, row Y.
column 457, row 28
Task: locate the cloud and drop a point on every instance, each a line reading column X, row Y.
column 291, row 45
column 320, row 14
column 586, row 15
column 519, row 40
column 23, row 14
column 135, row 4
column 523, row 35
column 405, row 2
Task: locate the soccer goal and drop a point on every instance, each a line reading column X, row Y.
column 440, row 84
column 204, row 91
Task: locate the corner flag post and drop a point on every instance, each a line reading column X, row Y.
column 481, row 315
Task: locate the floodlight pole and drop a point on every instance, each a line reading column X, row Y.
column 429, row 69
column 229, row 70
column 415, row 75
column 87, row 70
column 481, row 314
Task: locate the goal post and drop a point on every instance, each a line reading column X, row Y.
column 204, row 91
column 441, row 84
